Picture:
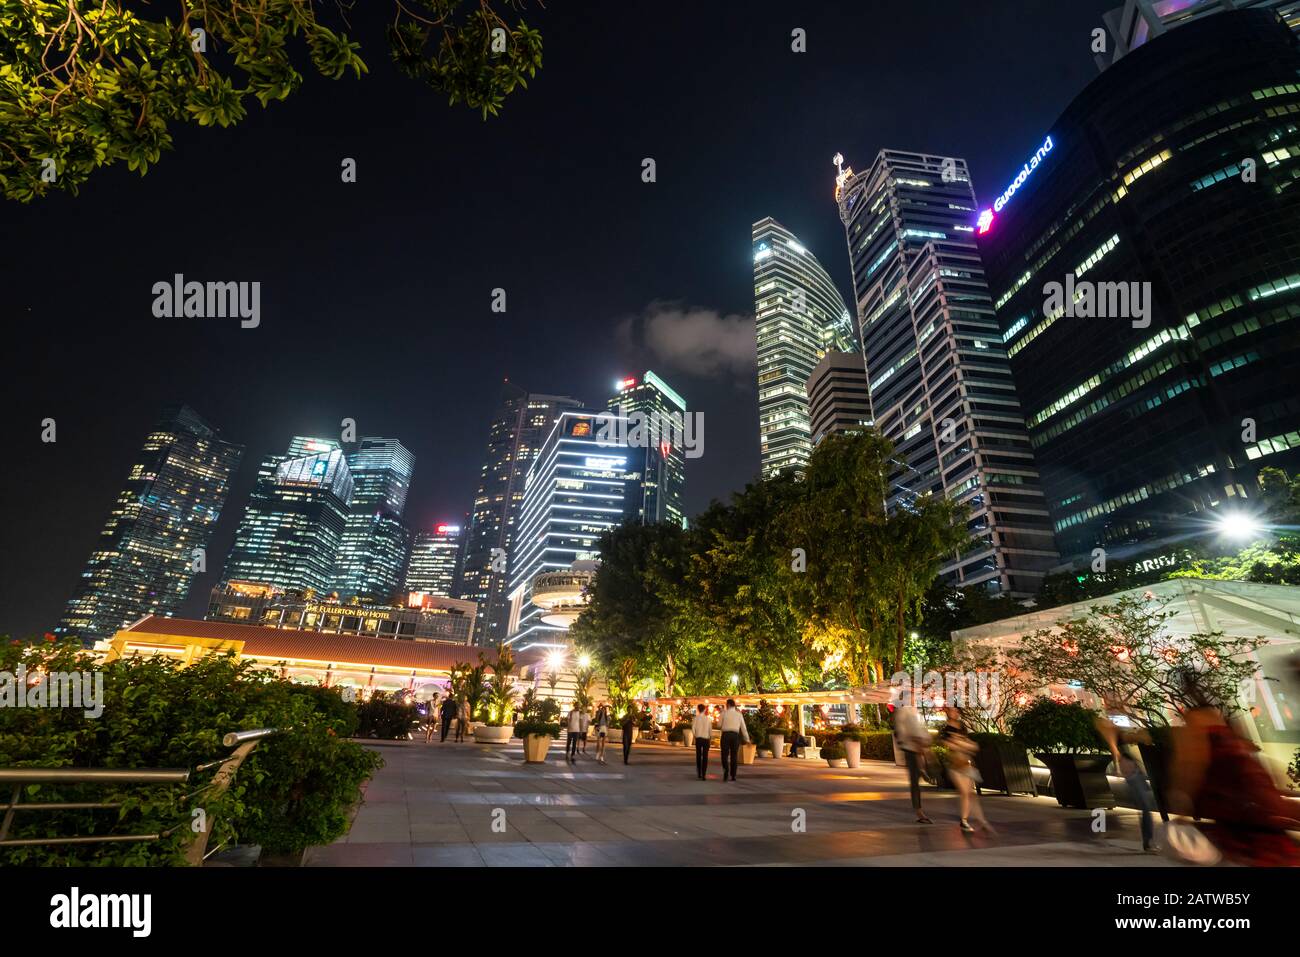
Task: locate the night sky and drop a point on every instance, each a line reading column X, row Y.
column 376, row 295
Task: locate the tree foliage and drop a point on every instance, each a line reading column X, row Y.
column 89, row 83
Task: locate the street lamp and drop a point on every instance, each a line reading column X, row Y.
column 584, row 661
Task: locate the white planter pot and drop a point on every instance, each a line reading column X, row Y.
column 688, row 738
column 835, row 762
column 853, row 753
column 747, row 753
column 777, row 741
column 486, row 734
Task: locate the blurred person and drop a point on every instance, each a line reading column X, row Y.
column 1121, row 741
column 702, row 728
column 447, row 712
column 961, row 768
column 602, row 731
column 574, row 727
column 734, row 731
column 629, row 727
column 462, row 719
column 1217, row 778
column 584, row 722
column 914, row 741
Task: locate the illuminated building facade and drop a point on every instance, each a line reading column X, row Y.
column 838, row 397
column 290, row 532
column 579, row 486
column 435, row 561
column 938, row 377
column 1140, row 420
column 1138, row 21
column 419, row 617
column 373, row 550
column 799, row 316
column 661, row 410
column 157, row 533
column 519, row 427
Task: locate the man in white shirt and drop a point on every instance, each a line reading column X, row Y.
column 574, row 727
column 914, row 740
column 702, row 728
column 584, row 721
column 733, row 730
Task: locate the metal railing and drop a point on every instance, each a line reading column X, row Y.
column 20, row 778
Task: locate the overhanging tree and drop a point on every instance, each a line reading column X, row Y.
column 90, row 83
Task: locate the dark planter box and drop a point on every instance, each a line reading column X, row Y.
column 1003, row 763
column 1079, row 780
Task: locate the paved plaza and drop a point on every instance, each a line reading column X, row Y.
column 471, row 805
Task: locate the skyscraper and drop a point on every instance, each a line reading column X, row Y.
column 838, row 397
column 661, row 411
column 157, row 533
column 373, row 549
column 519, row 426
column 289, row 534
column 1138, row 21
column 799, row 316
column 580, row 485
column 937, row 371
column 1165, row 375
column 435, row 564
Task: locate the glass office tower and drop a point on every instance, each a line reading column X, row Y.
column 520, row 425
column 664, row 483
column 290, row 533
column 157, row 533
column 1138, row 21
column 1174, row 179
column 435, row 561
column 937, row 373
column 373, row 549
column 799, row 316
column 579, row 486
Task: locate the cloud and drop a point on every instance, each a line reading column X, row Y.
column 693, row 340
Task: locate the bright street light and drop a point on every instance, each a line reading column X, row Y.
column 1238, row 525
column 555, row 659
column 584, row 661
column 735, row 679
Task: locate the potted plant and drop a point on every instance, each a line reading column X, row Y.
column 498, row 701
column 851, row 739
column 757, row 738
column 1064, row 738
column 1003, row 764
column 776, row 735
column 538, row 726
column 833, row 752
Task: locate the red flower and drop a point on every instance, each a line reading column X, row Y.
column 49, row 637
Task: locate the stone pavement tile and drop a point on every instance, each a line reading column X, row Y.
column 438, row 833
column 566, row 854
column 359, row 855
column 513, row 855
column 446, row 855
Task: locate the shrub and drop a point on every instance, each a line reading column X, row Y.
column 293, row 791
column 382, row 717
column 832, row 751
column 878, row 745
column 1049, row 726
column 677, row 734
column 536, row 726
column 756, row 728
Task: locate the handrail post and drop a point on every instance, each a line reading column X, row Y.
column 221, row 781
column 9, row 814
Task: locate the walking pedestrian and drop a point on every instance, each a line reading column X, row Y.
column 602, row 731
column 462, row 719
column 702, row 728
column 571, row 739
column 629, row 727
column 584, row 721
column 961, row 769
column 1121, row 740
column 431, row 721
column 733, row 731
column 914, row 741
column 448, row 712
